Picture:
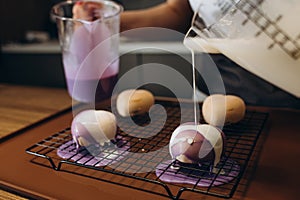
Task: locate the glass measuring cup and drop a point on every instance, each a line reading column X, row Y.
column 261, row 36
column 88, row 35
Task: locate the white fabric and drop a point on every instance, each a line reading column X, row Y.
column 236, row 36
column 195, row 4
column 211, row 11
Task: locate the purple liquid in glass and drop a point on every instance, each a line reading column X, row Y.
column 91, row 62
column 84, row 90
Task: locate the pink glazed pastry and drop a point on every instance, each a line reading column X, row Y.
column 192, row 143
column 93, row 127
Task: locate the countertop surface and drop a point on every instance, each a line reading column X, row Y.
column 273, row 171
column 139, row 46
column 21, row 106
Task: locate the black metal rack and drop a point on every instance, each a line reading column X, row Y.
column 146, row 159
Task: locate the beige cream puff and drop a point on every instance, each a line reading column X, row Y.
column 134, row 102
column 221, row 109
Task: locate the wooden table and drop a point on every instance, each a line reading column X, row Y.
column 22, row 106
column 273, row 173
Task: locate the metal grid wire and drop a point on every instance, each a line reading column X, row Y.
column 137, row 160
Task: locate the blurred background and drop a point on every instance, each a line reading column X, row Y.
column 30, row 54
column 20, row 17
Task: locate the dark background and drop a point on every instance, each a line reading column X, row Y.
column 18, row 17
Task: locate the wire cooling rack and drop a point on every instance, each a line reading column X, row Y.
column 140, row 153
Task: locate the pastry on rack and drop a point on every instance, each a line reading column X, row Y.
column 197, row 144
column 93, row 127
column 219, row 110
column 134, row 102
